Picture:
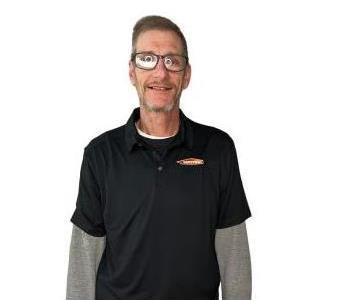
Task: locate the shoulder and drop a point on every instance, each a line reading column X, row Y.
column 216, row 137
column 102, row 141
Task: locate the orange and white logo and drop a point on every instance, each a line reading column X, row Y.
column 191, row 161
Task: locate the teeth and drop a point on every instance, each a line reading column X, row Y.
column 158, row 88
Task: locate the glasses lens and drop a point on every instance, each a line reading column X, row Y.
column 148, row 61
column 145, row 60
column 175, row 62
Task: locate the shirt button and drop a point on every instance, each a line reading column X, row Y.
column 160, row 168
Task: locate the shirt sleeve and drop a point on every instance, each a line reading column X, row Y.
column 84, row 258
column 232, row 250
column 88, row 214
column 233, row 207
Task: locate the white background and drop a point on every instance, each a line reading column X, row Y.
column 273, row 74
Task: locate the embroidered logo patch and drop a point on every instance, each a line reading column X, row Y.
column 191, row 161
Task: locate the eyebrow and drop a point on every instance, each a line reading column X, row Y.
column 152, row 52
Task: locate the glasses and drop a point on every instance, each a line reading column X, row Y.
column 148, row 61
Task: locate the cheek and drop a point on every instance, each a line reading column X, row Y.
column 178, row 82
column 140, row 83
column 182, row 84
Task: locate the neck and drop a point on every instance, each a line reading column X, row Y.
column 148, row 135
column 159, row 124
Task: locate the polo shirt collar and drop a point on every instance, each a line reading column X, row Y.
column 185, row 136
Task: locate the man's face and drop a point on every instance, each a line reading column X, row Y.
column 150, row 84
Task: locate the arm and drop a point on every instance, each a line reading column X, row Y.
column 232, row 249
column 84, row 258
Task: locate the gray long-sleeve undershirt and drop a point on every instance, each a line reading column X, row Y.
column 232, row 251
column 231, row 246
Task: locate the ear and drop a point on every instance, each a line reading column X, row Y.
column 132, row 75
column 187, row 76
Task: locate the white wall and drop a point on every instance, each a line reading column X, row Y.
column 273, row 74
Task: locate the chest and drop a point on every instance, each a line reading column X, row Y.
column 147, row 189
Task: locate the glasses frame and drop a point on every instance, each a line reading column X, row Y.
column 133, row 56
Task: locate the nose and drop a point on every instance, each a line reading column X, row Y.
column 160, row 69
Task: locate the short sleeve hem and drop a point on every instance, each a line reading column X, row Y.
column 234, row 221
column 76, row 220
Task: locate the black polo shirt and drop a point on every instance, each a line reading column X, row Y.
column 159, row 216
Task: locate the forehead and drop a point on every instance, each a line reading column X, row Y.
column 159, row 42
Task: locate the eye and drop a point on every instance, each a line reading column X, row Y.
column 147, row 58
column 170, row 60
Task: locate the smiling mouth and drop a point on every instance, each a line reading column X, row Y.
column 159, row 88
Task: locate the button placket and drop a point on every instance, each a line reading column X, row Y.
column 159, row 160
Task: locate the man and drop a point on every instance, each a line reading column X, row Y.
column 161, row 208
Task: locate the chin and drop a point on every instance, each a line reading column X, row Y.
column 159, row 107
